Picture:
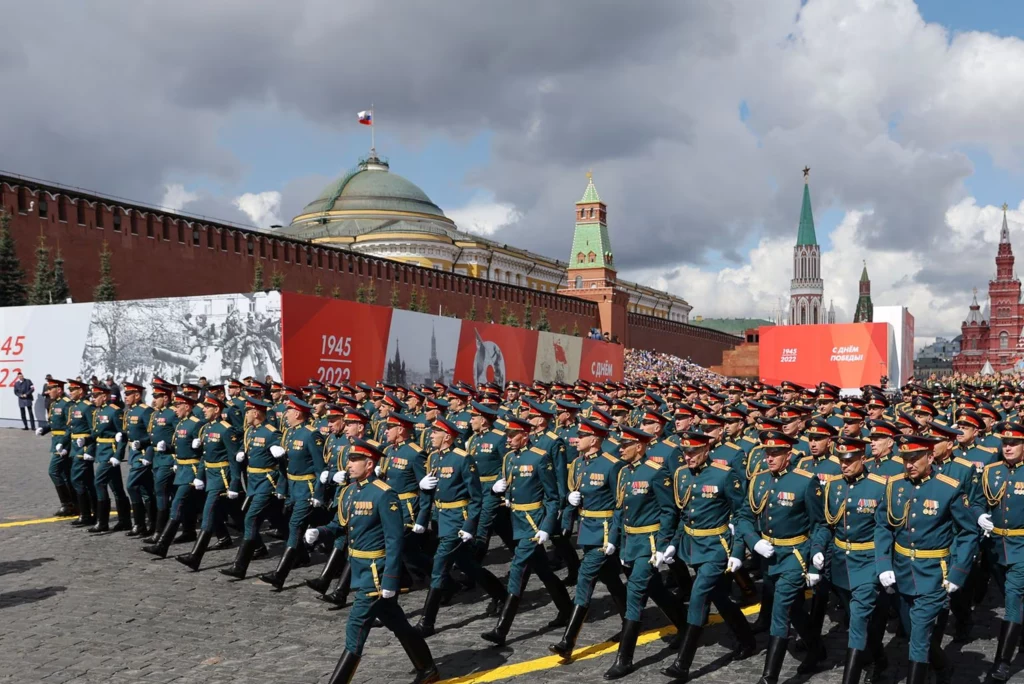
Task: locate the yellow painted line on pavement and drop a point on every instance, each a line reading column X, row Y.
column 584, row 653
column 42, row 521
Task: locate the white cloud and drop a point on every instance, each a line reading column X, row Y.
column 483, row 217
column 263, row 208
column 176, row 197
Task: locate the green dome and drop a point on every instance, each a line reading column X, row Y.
column 371, row 187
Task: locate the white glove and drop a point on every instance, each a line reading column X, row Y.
column 87, row 457
column 813, row 578
column 609, row 549
column 143, row 461
column 465, row 536
column 323, row 477
column 764, row 549
column 198, row 484
column 428, row 483
column 39, row 431
column 985, row 522
column 80, row 442
column 732, row 529
column 340, row 477
column 118, row 437
column 500, row 486
column 311, row 535
column 316, row 503
column 196, row 443
column 818, row 560
column 161, row 446
column 658, row 560
column 174, row 468
column 887, row 578
column 418, row 529
column 733, row 564
column 624, row 563
column 113, row 461
column 232, row 495
column 575, row 498
column 61, row 451
column 240, row 456
column 542, row 537
column 276, row 451
column 670, row 552
column 387, row 593
column 950, row 587
column 136, row 445
column 376, row 471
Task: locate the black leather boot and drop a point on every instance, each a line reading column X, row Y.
column 277, row 578
column 425, row 626
column 162, row 514
column 854, row 665
column 85, row 512
column 736, row 621
column 224, row 542
column 565, row 647
column 1009, row 635
column 102, row 518
column 773, row 660
column 67, row 501
column 508, row 614
column 918, row 672
column 242, row 560
column 420, row 657
column 347, row 663
column 334, row 565
column 680, row 669
column 139, row 520
column 193, row 558
column 164, row 542
column 339, row 597
column 623, row 664
column 188, row 535
column 124, row 517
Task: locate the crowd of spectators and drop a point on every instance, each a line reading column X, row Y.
column 641, row 364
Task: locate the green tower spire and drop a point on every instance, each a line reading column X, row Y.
column 591, row 246
column 806, row 236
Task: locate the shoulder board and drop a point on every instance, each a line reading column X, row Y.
column 988, row 449
column 382, row 484
column 951, row 481
column 875, row 477
column 720, row 466
column 270, row 427
column 225, row 423
column 500, row 433
column 898, row 459
column 115, row 406
column 748, row 438
column 893, row 478
column 834, row 458
column 552, row 434
column 415, row 447
column 613, row 440
column 803, row 438
column 373, row 442
column 801, row 471
column 193, row 419
column 992, row 465
column 653, row 464
column 609, row 457
column 460, row 452
column 734, row 445
column 832, row 478
column 963, row 462
column 538, row 450
column 145, row 406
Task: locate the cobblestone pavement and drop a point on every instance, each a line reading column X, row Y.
column 76, row 607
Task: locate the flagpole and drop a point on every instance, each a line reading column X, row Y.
column 373, row 138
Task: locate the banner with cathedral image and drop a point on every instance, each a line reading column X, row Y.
column 421, row 348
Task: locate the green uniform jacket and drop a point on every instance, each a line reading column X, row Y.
column 57, row 423
column 1003, row 487
column 107, row 421
column 262, row 466
column 532, row 492
column 371, row 513
column 850, row 517
column 458, row 496
column 136, row 427
column 218, row 467
column 595, row 477
column 645, row 512
column 709, row 499
column 80, row 425
column 550, row 443
column 304, row 458
column 186, row 458
column 161, row 429
column 402, row 468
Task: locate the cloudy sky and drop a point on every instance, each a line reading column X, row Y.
column 695, row 117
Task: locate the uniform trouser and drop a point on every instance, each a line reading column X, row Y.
column 862, row 605
column 215, row 513
column 452, row 551
column 163, row 486
column 60, row 470
column 301, row 510
column 494, row 519
column 260, row 504
column 413, row 555
column 528, row 555
column 83, row 477
column 597, row 566
column 918, row 615
column 638, row 586
column 140, row 486
column 361, row 617
column 710, row 585
column 183, row 503
column 789, row 605
column 1011, row 578
column 109, row 477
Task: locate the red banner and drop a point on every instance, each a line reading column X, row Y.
column 332, row 340
column 495, row 353
column 601, row 361
column 850, row 355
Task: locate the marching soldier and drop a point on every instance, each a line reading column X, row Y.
column 57, row 420
column 107, row 422
column 971, row 425
column 162, row 423
column 925, row 542
column 140, row 476
column 487, row 448
column 883, row 460
column 403, row 468
column 82, row 473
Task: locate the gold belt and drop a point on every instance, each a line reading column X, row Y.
column 788, row 541
column 706, row 532
column 76, row 435
column 301, row 478
column 366, row 555
column 59, row 433
column 445, row 505
column 187, row 461
column 921, row 553
column 104, row 440
column 219, row 464
column 260, row 471
column 855, row 546
column 404, row 497
column 489, row 478
column 1007, row 533
column 596, row 514
column 646, row 529
column 527, row 507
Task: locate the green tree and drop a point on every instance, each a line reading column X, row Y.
column 13, row 291
column 542, row 321
column 60, row 290
column 106, row 291
column 394, row 296
column 424, row 302
column 512, row 321
column 371, row 293
column 575, row 329
column 319, row 289
column 414, row 300
column 471, row 316
column 258, row 285
column 503, row 314
column 562, row 330
column 361, row 295
column 42, row 284
column 336, row 292
column 528, row 315
column 277, row 281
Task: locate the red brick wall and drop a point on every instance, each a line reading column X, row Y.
column 701, row 345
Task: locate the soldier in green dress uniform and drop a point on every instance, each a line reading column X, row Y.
column 403, row 467
column 337, row 443
column 156, row 448
column 82, row 474
column 57, row 420
column 372, row 514
column 137, row 415
column 971, row 425
column 884, row 460
column 107, row 423
column 487, row 448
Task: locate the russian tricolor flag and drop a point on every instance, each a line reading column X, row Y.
column 366, row 118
